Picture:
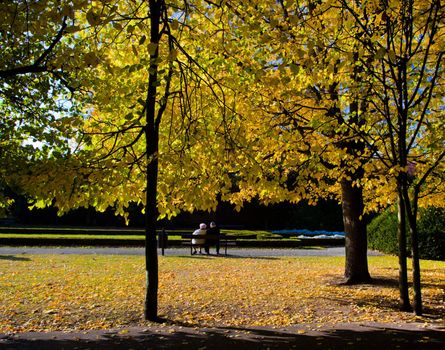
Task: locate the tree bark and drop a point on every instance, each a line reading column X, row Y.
column 152, row 146
column 356, row 245
column 411, row 211
column 417, row 302
column 403, row 270
column 151, row 254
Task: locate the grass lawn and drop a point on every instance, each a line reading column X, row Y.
column 66, row 292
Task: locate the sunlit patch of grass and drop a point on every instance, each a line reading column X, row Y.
column 64, row 292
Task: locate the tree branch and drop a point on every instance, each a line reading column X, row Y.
column 37, row 66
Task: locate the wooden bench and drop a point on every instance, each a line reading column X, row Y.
column 188, row 240
column 224, row 240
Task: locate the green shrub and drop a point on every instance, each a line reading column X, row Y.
column 431, row 228
column 382, row 233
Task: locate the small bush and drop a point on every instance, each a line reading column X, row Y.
column 431, row 228
column 382, row 233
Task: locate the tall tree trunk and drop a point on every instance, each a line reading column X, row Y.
column 417, row 302
column 356, row 245
column 403, row 270
column 151, row 254
column 412, row 223
column 152, row 145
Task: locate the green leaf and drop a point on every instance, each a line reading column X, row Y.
column 142, row 39
column 151, row 47
column 91, row 59
column 174, row 25
column 173, row 55
column 380, row 53
column 294, row 68
column 72, row 29
column 135, row 50
column 141, row 101
column 93, row 18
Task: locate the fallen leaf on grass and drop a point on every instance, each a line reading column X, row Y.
column 108, row 292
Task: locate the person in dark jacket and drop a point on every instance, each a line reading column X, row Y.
column 213, row 230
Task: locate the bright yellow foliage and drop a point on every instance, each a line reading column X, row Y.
column 309, row 67
column 266, row 104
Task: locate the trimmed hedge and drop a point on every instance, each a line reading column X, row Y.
column 382, row 233
column 431, row 229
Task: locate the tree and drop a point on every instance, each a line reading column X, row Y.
column 299, row 79
column 403, row 53
column 37, row 84
column 149, row 141
column 310, row 113
column 332, row 96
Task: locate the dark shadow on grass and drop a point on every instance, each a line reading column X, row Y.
column 174, row 337
column 198, row 257
column 228, row 256
column 429, row 313
column 312, row 247
column 14, row 258
column 385, row 282
column 379, row 281
column 383, row 303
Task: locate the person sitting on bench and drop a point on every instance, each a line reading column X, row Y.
column 213, row 231
column 199, row 242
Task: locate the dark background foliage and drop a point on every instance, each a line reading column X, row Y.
column 326, row 215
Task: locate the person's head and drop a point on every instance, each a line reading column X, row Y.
column 202, row 226
column 213, row 224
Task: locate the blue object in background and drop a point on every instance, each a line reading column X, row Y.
column 308, row 233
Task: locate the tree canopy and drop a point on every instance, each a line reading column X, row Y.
column 174, row 105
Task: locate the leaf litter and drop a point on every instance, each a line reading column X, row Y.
column 78, row 292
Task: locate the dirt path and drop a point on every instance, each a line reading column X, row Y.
column 341, row 336
column 235, row 252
